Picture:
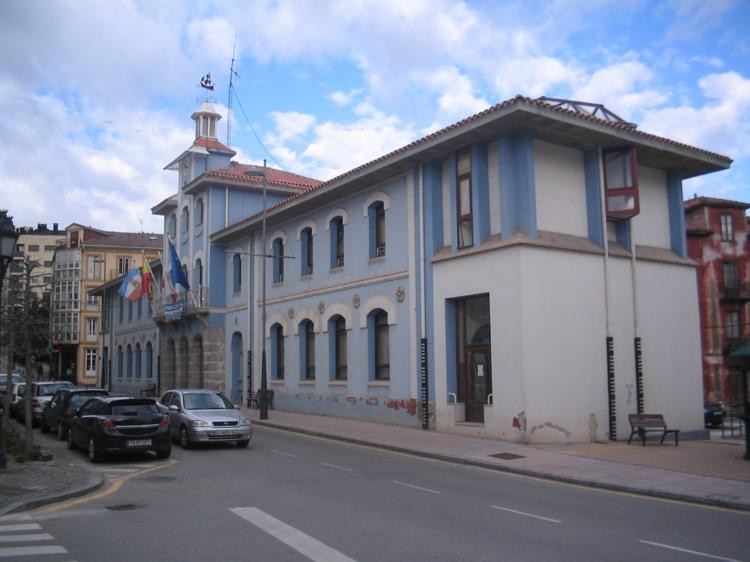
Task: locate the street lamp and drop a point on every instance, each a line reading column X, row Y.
column 263, row 380
column 8, row 237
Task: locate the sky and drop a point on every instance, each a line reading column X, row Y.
column 96, row 96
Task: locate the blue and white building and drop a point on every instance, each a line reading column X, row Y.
column 528, row 262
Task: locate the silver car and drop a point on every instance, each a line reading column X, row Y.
column 205, row 416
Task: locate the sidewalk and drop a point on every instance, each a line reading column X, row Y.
column 707, row 472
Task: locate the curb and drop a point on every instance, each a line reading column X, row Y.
column 520, row 471
column 95, row 482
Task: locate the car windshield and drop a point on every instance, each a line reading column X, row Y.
column 206, row 401
column 79, row 398
column 50, row 389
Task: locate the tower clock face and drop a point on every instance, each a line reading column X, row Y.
column 185, row 170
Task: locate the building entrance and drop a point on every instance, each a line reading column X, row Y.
column 473, row 355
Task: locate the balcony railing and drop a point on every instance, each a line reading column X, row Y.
column 196, row 302
column 738, row 292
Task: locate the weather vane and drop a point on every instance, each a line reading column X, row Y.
column 207, row 83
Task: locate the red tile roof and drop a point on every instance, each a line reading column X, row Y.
column 276, row 178
column 212, row 144
column 697, row 202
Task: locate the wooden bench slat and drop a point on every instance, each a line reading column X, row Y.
column 645, row 423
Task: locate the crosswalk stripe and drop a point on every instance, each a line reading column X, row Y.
column 27, row 537
column 20, row 527
column 14, row 551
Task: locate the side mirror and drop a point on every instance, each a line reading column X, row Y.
column 78, row 413
column 174, row 408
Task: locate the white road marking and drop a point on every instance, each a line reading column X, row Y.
column 20, row 527
column 414, row 487
column 125, row 470
column 337, row 467
column 294, row 538
column 283, row 453
column 526, row 514
column 15, row 551
column 27, row 537
column 678, row 549
column 23, row 517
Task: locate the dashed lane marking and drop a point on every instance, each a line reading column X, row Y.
column 688, row 551
column 283, row 453
column 337, row 467
column 509, row 510
column 415, row 487
column 304, row 544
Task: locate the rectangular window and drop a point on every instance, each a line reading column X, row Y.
column 95, row 267
column 123, row 265
column 621, row 183
column 727, row 228
column 310, row 352
column 733, row 329
column 463, row 199
column 92, row 300
column 50, row 248
column 730, row 275
column 33, row 247
column 380, row 230
column 91, row 326
column 340, row 356
column 90, row 361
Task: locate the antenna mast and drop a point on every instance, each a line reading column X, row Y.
column 232, row 74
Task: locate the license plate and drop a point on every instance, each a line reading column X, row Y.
column 225, row 432
column 138, row 442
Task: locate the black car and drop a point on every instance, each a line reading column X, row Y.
column 714, row 413
column 58, row 412
column 118, row 424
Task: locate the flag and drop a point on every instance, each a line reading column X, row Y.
column 147, row 279
column 177, row 276
column 132, row 286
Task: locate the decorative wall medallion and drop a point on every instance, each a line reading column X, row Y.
column 400, row 294
column 355, row 300
column 290, row 312
column 321, row 307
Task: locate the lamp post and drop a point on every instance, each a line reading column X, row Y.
column 263, row 378
column 8, row 237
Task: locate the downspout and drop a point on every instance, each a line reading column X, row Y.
column 610, row 349
column 423, row 343
column 637, row 347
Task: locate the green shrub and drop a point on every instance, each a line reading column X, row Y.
column 15, row 446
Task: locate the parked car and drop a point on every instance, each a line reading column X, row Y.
column 205, row 416
column 119, row 424
column 58, row 412
column 41, row 393
column 714, row 413
column 4, row 380
column 17, row 404
column 15, row 397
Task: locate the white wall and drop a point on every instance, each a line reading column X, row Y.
column 560, row 189
column 651, row 226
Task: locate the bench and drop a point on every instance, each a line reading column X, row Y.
column 148, row 391
column 257, row 397
column 650, row 423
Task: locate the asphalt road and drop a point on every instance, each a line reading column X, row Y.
column 294, row 498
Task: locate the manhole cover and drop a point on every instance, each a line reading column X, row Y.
column 507, row 456
column 124, row 507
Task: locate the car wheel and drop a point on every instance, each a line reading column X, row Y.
column 71, row 445
column 243, row 443
column 184, row 438
column 61, row 433
column 164, row 453
column 94, row 453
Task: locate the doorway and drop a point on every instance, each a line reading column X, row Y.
column 473, row 355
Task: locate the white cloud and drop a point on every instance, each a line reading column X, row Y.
column 291, row 124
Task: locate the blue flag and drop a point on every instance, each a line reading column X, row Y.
column 175, row 268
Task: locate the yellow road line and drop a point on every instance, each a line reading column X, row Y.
column 115, row 487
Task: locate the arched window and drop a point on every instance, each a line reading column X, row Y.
column 185, row 220
column 172, row 226
column 278, row 260
column 198, row 274
column 306, row 251
column 277, row 352
column 379, row 345
column 129, row 362
column 120, row 371
column 337, row 347
column 149, row 361
column 307, row 350
column 138, row 371
column 236, row 273
column 337, row 242
column 198, row 212
column 376, row 214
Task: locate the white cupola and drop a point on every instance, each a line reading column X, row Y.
column 205, row 121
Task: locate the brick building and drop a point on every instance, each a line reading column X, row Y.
column 717, row 236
